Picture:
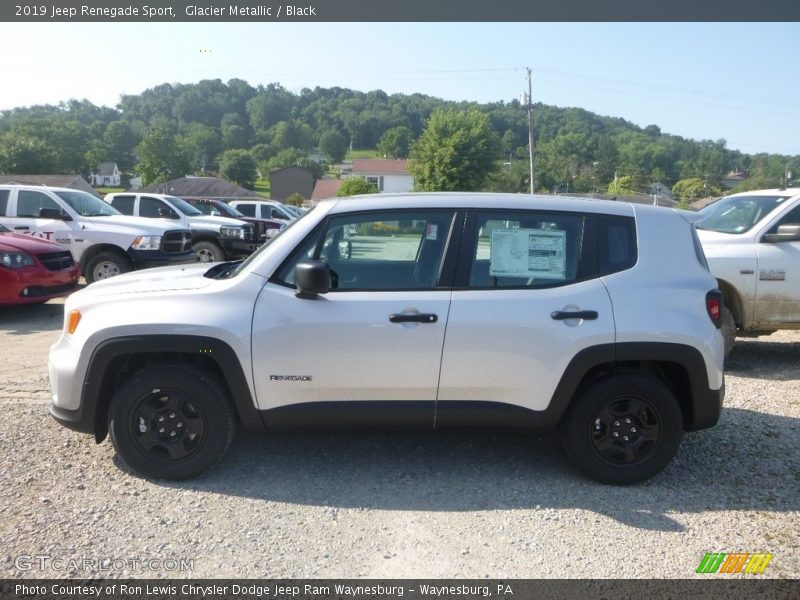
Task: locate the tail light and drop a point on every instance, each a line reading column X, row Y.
column 714, row 307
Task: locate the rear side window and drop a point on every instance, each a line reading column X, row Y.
column 123, row 204
column 527, row 249
column 3, row 201
column 616, row 240
column 248, row 210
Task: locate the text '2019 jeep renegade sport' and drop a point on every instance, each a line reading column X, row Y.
column 437, row 311
column 103, row 241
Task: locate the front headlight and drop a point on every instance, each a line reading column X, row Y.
column 16, row 260
column 236, row 233
column 147, row 242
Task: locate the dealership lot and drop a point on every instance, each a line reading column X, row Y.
column 399, row 505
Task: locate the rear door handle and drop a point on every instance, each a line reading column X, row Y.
column 413, row 318
column 22, row 228
column 561, row 315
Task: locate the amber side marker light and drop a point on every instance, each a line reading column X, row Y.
column 73, row 320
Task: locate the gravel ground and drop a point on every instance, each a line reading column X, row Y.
column 430, row 506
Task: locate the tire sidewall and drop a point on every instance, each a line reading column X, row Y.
column 212, row 248
column 579, row 422
column 122, row 263
column 206, row 394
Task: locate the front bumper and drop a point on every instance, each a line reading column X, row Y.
column 236, row 247
column 143, row 259
column 36, row 284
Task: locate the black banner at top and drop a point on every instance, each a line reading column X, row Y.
column 396, row 10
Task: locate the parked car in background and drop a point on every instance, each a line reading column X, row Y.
column 33, row 270
column 264, row 209
column 752, row 243
column 103, row 240
column 265, row 228
column 600, row 319
column 214, row 239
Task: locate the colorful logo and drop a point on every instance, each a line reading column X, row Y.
column 735, row 562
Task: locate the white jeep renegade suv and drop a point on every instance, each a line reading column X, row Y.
column 437, row 311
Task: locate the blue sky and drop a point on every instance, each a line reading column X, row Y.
column 698, row 80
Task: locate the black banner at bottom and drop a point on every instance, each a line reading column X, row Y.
column 392, row 589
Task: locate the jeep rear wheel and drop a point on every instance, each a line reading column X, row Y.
column 171, row 421
column 623, row 429
column 728, row 329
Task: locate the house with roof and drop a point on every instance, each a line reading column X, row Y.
column 74, row 182
column 325, row 188
column 107, row 175
column 212, row 188
column 390, row 175
column 733, row 178
column 291, row 180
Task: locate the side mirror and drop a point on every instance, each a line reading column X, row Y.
column 312, row 277
column 785, row 233
column 54, row 213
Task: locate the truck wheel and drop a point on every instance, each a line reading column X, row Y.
column 623, row 429
column 208, row 252
column 106, row 264
column 728, row 329
column 171, row 421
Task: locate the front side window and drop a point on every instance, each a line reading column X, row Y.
column 155, row 208
column 526, row 249
column 393, row 250
column 248, row 210
column 30, row 204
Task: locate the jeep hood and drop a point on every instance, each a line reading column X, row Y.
column 148, row 281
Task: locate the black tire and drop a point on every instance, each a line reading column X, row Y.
column 105, row 264
column 728, row 329
column 642, row 412
column 171, row 421
column 208, row 252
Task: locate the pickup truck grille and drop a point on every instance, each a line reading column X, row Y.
column 250, row 234
column 177, row 241
column 57, row 261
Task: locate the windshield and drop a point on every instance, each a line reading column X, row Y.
column 243, row 265
column 737, row 214
column 183, row 206
column 87, row 205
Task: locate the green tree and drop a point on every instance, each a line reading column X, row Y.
column 356, row 185
column 396, row 142
column 160, row 157
column 513, row 177
column 693, row 188
column 294, row 157
column 456, row 151
column 295, row 199
column 201, row 144
column 334, row 145
column 622, row 186
column 239, row 166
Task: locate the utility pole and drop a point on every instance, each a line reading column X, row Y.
column 530, row 131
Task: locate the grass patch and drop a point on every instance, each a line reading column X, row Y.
column 109, row 190
column 262, row 187
column 351, row 154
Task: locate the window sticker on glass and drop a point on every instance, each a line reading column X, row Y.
column 528, row 253
column 430, row 231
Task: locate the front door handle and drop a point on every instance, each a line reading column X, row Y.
column 561, row 315
column 413, row 318
column 22, row 228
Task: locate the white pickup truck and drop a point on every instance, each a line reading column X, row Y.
column 104, row 241
column 752, row 243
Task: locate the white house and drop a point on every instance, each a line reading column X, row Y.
column 107, row 175
column 391, row 176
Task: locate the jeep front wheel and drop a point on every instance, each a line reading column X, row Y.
column 623, row 429
column 171, row 421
